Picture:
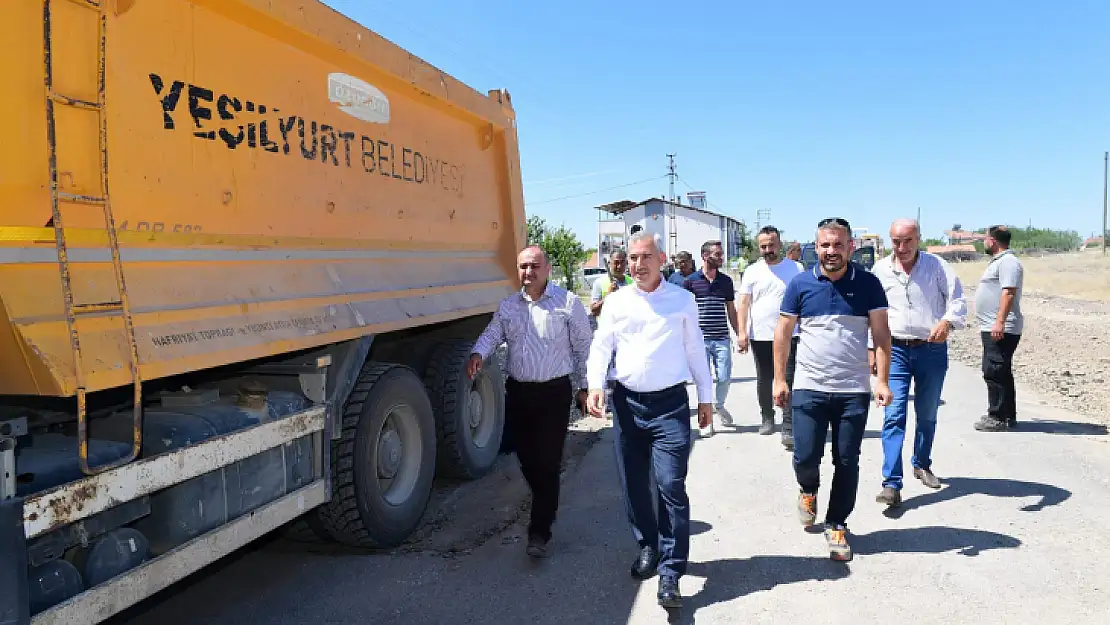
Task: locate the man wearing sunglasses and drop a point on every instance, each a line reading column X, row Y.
column 834, row 305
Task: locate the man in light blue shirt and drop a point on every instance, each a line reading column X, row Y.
column 926, row 302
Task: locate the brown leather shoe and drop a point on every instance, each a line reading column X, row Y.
column 927, row 478
column 890, row 496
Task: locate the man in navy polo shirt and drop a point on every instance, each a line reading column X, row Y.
column 716, row 297
column 834, row 305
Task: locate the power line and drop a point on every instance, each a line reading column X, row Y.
column 569, row 197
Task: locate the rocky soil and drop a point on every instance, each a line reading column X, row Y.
column 1064, row 354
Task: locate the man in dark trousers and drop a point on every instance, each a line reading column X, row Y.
column 998, row 311
column 834, row 304
column 651, row 335
column 548, row 335
column 761, row 291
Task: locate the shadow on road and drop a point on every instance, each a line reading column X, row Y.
column 933, row 539
column 1062, row 427
column 699, row 527
column 734, row 380
column 730, row 579
column 995, row 487
column 911, row 400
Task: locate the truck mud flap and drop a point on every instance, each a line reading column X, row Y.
column 14, row 600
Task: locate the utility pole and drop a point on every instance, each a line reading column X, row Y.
column 672, row 240
column 1105, row 175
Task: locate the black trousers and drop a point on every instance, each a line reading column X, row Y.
column 998, row 373
column 764, row 352
column 538, row 414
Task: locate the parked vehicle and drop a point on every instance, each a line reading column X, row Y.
column 864, row 256
column 246, row 248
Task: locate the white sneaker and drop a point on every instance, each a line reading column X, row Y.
column 707, row 431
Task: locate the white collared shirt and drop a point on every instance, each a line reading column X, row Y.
column 918, row 301
column 656, row 340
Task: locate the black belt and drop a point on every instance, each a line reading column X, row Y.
column 558, row 380
column 663, row 391
column 908, row 342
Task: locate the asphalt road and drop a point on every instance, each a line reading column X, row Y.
column 1018, row 534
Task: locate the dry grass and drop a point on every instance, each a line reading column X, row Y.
column 1083, row 275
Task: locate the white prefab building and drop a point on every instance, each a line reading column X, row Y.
column 682, row 227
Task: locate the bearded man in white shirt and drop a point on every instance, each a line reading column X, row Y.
column 761, row 292
column 651, row 335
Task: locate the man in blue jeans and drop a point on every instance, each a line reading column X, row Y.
column 926, row 302
column 716, row 297
column 834, row 306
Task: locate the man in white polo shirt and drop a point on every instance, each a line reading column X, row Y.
column 761, row 292
column 650, row 333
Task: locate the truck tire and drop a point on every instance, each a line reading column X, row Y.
column 384, row 463
column 470, row 414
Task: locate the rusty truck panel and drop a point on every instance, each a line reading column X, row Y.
column 280, row 178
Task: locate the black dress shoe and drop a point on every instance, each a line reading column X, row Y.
column 644, row 566
column 669, row 597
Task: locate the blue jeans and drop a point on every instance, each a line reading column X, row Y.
column 814, row 413
column 926, row 365
column 719, row 354
column 653, row 435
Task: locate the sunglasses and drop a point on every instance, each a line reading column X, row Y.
column 837, row 220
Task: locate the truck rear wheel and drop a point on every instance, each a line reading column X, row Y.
column 384, row 464
column 470, row 414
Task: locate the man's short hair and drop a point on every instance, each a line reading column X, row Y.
column 794, row 246
column 770, row 230
column 1001, row 234
column 835, row 223
column 683, row 255
column 708, row 245
column 618, row 252
column 644, row 235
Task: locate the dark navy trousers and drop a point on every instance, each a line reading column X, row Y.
column 653, row 436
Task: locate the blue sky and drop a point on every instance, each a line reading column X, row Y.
column 978, row 111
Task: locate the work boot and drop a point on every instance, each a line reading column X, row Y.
column 669, row 595
column 768, row 426
column 890, row 496
column 807, row 509
column 837, row 538
column 927, row 478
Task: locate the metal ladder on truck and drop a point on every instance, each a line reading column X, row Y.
column 57, row 199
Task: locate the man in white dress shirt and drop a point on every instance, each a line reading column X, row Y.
column 651, row 334
column 926, row 302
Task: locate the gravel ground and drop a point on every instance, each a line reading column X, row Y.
column 1064, row 354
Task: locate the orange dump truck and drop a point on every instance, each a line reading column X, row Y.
column 245, row 249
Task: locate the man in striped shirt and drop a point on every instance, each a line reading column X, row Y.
column 548, row 334
column 715, row 295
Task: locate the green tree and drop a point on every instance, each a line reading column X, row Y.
column 1042, row 238
column 930, row 242
column 562, row 246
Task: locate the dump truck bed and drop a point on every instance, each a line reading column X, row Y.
column 279, row 176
